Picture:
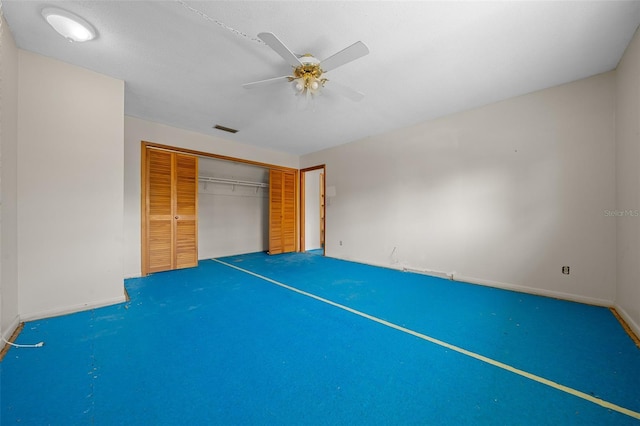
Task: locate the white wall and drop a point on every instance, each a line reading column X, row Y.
column 312, row 209
column 503, row 195
column 70, row 180
column 9, row 318
column 137, row 130
column 232, row 219
column 628, row 184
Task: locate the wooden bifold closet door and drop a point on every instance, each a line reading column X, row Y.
column 282, row 211
column 170, row 211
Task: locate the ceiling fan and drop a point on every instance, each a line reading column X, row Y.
column 307, row 76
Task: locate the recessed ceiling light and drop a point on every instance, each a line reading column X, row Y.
column 69, row 25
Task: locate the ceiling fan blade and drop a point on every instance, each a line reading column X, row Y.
column 267, row 82
column 345, row 91
column 346, row 55
column 274, row 42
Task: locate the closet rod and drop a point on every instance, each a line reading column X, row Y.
column 233, row 182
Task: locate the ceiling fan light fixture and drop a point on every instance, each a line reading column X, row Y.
column 69, row 25
column 308, row 84
column 298, row 85
column 307, row 77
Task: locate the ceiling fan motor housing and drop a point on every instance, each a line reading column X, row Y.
column 307, row 76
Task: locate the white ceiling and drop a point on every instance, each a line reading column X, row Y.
column 428, row 59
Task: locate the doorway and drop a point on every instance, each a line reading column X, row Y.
column 312, row 217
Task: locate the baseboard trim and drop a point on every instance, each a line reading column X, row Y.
column 56, row 312
column 628, row 322
column 489, row 283
column 398, row 267
column 8, row 333
column 429, row 272
column 12, row 327
column 535, row 291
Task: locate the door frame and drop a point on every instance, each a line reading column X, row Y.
column 143, row 192
column 323, row 217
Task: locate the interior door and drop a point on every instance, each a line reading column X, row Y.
column 170, row 211
column 289, row 212
column 159, row 217
column 186, row 211
column 282, row 211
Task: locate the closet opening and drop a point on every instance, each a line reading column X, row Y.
column 233, row 208
column 231, row 200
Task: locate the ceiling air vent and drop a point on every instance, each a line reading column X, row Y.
column 225, row 129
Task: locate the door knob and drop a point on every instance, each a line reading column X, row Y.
column 176, row 217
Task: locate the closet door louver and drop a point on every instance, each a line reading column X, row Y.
column 186, row 211
column 159, row 211
column 170, row 225
column 282, row 211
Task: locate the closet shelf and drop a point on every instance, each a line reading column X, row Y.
column 208, row 179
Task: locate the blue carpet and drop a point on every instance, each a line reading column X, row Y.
column 213, row 345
